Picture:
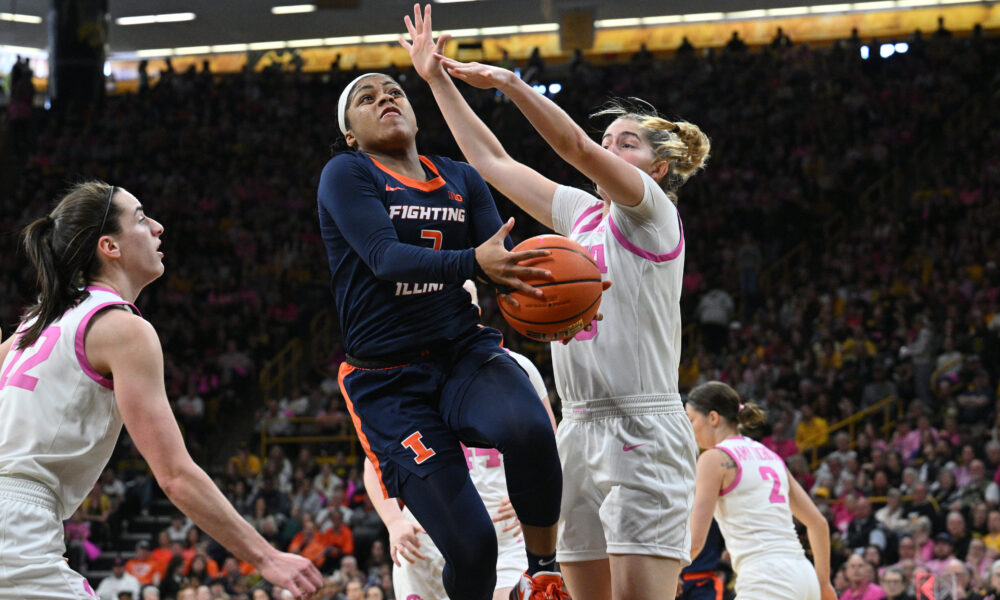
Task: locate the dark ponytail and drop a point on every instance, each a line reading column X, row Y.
column 62, row 246
column 724, row 400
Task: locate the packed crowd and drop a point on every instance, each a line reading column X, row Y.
column 902, row 306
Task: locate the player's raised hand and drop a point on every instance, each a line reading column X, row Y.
column 403, row 541
column 294, row 573
column 422, row 47
column 503, row 268
column 476, row 74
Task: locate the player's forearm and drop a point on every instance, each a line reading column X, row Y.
column 479, row 145
column 819, row 540
column 549, row 120
column 195, row 494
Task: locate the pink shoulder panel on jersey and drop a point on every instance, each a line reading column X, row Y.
column 658, row 258
column 739, row 471
column 592, row 225
column 81, row 330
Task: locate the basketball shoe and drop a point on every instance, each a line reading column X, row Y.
column 545, row 585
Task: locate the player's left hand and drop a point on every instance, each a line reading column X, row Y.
column 507, row 512
column 422, row 48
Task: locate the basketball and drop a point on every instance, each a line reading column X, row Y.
column 571, row 298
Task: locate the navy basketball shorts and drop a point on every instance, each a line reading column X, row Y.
column 402, row 411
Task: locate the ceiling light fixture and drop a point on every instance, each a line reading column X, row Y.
column 148, row 19
column 19, row 18
column 293, row 9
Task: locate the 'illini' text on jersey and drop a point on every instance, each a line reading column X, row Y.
column 399, row 249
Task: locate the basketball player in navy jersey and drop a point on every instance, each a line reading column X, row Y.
column 698, row 580
column 403, row 232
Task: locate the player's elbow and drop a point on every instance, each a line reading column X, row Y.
column 175, row 476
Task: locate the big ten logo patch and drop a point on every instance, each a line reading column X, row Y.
column 455, row 197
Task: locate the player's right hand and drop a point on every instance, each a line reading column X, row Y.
column 403, row 541
column 422, row 47
column 502, row 266
column 294, row 573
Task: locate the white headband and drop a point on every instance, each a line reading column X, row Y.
column 342, row 103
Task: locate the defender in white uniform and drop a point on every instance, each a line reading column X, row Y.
column 59, row 415
column 753, row 499
column 627, row 450
column 419, row 563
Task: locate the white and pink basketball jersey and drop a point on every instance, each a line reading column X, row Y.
column 753, row 511
column 58, row 419
column 629, row 363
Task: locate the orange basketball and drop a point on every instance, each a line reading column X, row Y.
column 571, row 298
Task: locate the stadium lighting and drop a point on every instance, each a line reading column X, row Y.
column 19, row 18
column 292, row 9
column 887, row 50
column 864, row 52
column 148, row 19
column 555, row 88
column 902, row 47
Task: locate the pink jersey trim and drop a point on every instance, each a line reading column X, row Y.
column 81, row 352
column 593, row 223
column 658, row 258
column 739, row 471
column 98, row 288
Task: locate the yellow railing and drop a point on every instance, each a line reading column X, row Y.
column 889, row 419
column 268, row 440
column 321, row 337
column 281, row 373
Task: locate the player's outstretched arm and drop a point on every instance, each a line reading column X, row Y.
column 620, row 180
column 818, row 531
column 403, row 540
column 528, row 188
column 711, row 468
column 128, row 347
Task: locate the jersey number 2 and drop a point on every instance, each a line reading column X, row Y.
column 20, row 378
column 769, row 473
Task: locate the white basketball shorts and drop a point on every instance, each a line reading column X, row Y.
column 32, row 546
column 777, row 578
column 628, row 486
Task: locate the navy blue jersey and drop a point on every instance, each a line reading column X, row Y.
column 400, row 249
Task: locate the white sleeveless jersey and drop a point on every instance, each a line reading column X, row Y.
column 629, row 363
column 58, row 419
column 753, row 511
column 486, row 465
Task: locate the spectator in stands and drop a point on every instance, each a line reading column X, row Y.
column 310, row 542
column 326, row 481
column 118, row 580
column 956, row 526
column 978, row 562
column 779, row 442
column 943, row 553
column 339, row 538
column 859, row 579
column 143, row 567
column 864, row 529
column 714, row 312
column 921, row 504
column 980, row 488
column 812, row 431
column 961, row 580
column 178, row 529
column 891, row 516
column 894, row 583
column 992, row 591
